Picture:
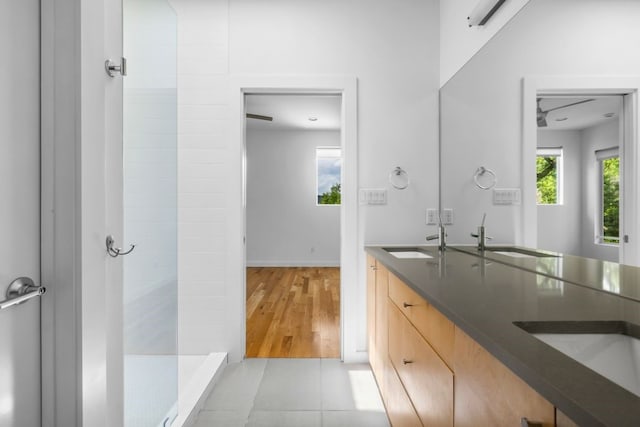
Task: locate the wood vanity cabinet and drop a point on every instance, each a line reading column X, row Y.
column 427, row 380
column 488, row 393
column 378, row 289
column 430, row 373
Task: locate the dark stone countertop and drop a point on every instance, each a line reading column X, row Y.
column 484, row 297
column 606, row 276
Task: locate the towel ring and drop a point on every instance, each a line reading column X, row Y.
column 491, row 177
column 399, row 178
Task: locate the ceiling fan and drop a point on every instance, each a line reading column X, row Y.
column 259, row 117
column 542, row 114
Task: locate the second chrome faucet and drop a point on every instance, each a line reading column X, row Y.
column 480, row 235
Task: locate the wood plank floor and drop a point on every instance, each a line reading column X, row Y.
column 293, row 312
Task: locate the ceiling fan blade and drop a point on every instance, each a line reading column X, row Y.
column 570, row 105
column 259, row 117
column 541, row 115
column 542, row 120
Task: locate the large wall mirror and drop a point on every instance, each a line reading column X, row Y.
column 549, row 106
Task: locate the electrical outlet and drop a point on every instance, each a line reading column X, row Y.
column 447, row 217
column 432, row 217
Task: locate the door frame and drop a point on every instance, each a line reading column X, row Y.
column 629, row 87
column 351, row 239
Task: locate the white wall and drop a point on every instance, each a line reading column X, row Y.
column 285, row 226
column 392, row 49
column 458, row 41
column 482, row 105
column 559, row 226
column 20, row 216
column 595, row 138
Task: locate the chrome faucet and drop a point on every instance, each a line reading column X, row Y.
column 441, row 236
column 480, row 235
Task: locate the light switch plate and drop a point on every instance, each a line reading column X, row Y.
column 373, row 196
column 506, row 196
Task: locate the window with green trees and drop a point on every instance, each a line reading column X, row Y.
column 329, row 175
column 609, row 171
column 548, row 176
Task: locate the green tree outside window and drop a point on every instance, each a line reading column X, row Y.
column 611, row 200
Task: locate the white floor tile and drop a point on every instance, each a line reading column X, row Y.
column 221, row 419
column 294, row 393
column 344, row 386
column 354, row 419
column 237, row 387
column 285, row 419
column 290, row 385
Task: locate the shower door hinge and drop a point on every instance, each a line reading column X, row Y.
column 113, row 69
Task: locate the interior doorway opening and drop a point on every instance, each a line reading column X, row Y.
column 579, row 174
column 581, row 89
column 293, row 210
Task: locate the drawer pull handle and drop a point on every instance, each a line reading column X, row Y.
column 373, row 267
column 406, row 304
column 406, row 362
column 526, row 423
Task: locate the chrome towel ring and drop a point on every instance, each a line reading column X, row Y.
column 485, row 175
column 399, row 178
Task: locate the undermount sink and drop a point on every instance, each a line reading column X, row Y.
column 407, row 253
column 516, row 252
column 610, row 348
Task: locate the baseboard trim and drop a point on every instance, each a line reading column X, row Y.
column 293, row 264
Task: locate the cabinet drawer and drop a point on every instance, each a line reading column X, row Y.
column 433, row 325
column 399, row 408
column 489, row 394
column 427, row 379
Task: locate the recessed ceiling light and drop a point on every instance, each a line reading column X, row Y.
column 607, row 115
column 313, row 119
column 561, row 119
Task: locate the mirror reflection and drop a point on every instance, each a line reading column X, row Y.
column 578, row 175
column 489, row 115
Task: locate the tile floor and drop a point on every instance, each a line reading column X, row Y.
column 294, row 393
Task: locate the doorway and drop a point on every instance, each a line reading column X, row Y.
column 583, row 89
column 293, row 185
column 579, row 160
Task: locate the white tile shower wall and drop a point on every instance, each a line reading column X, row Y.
column 202, row 141
column 390, row 46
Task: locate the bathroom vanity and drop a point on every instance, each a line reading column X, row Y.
column 468, row 338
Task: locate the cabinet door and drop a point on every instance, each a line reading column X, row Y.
column 427, row 379
column 489, row 394
column 399, row 408
column 371, row 311
column 382, row 333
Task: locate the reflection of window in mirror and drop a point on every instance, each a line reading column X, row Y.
column 608, row 231
column 549, row 176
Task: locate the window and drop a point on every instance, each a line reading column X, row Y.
column 329, row 175
column 549, row 176
column 608, row 231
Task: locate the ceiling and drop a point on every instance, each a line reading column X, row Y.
column 579, row 116
column 292, row 111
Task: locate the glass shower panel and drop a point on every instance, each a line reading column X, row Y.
column 150, row 214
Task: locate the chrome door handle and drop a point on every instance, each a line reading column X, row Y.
column 20, row 290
